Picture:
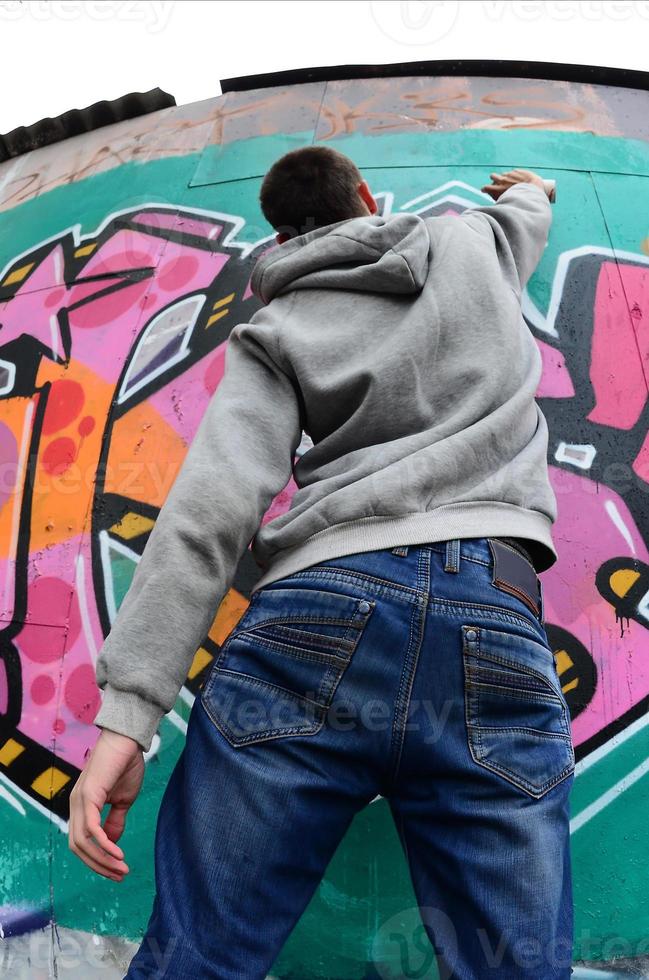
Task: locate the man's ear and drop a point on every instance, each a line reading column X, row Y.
column 366, row 194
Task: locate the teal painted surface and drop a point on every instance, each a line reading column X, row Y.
column 463, row 148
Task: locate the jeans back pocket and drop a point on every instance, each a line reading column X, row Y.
column 278, row 669
column 518, row 723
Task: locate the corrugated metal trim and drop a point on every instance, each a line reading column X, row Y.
column 76, row 121
column 544, row 70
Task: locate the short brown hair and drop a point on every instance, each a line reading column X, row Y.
column 310, row 187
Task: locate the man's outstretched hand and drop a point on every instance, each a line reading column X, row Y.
column 502, row 182
column 112, row 774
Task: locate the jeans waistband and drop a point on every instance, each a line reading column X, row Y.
column 454, row 549
column 471, row 547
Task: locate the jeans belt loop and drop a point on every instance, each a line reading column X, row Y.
column 401, row 550
column 452, row 563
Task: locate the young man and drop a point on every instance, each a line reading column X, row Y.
column 394, row 644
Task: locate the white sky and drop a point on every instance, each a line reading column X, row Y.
column 63, row 54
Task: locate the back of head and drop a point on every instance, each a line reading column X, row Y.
column 311, row 187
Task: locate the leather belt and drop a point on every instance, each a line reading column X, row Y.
column 519, row 546
column 514, row 573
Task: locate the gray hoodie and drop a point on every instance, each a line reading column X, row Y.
column 398, row 345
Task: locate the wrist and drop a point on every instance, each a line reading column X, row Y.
column 119, row 741
column 548, row 186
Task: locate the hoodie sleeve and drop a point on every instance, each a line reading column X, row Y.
column 518, row 223
column 240, row 458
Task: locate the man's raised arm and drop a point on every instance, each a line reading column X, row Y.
column 518, row 223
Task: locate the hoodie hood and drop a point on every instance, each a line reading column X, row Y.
column 372, row 253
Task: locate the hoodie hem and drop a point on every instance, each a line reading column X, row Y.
column 468, row 519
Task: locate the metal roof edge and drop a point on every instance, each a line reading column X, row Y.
column 51, row 130
column 543, row 70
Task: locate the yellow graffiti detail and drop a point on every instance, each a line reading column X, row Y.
column 18, row 274
column 10, row 751
column 215, row 306
column 50, row 782
column 215, row 317
column 84, row 250
column 622, row 580
column 201, row 659
column 132, row 525
column 222, row 302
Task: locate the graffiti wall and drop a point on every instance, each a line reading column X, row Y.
column 125, row 259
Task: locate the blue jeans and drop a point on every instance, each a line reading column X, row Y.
column 409, row 673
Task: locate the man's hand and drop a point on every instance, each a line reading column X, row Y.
column 113, row 774
column 502, row 182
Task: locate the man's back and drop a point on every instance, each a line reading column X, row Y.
column 417, row 373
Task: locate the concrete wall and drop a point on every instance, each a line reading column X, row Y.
column 125, row 258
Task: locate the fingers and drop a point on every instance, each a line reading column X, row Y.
column 114, row 824
column 96, row 859
column 84, row 824
column 94, row 827
column 496, row 189
column 503, row 181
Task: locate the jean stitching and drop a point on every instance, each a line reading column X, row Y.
column 473, row 739
column 328, row 684
column 237, row 632
column 453, row 555
column 401, row 681
column 474, row 730
column 258, row 682
column 333, row 677
column 348, row 574
column 492, row 674
column 275, row 588
column 521, row 693
column 299, row 699
column 477, row 561
column 518, row 728
column 465, row 608
column 298, row 654
column 236, row 741
column 520, row 668
column 332, row 621
column 299, row 635
column 521, row 782
column 410, row 664
column 516, row 778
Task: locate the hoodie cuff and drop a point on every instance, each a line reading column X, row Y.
column 549, row 188
column 127, row 713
